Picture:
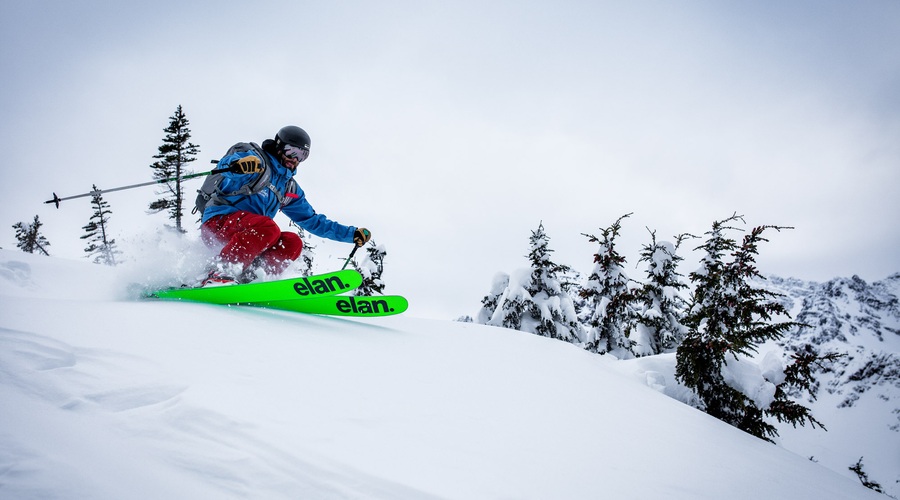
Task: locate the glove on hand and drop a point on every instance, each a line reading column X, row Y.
column 361, row 236
column 247, row 165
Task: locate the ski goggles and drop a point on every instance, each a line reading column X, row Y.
column 295, row 152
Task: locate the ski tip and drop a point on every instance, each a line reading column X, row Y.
column 376, row 305
column 342, row 305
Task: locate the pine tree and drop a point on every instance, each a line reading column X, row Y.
column 371, row 269
column 512, row 304
column 29, row 237
column 536, row 300
column 863, row 476
column 609, row 312
column 551, row 305
column 492, row 299
column 729, row 317
column 660, row 307
column 798, row 378
column 307, row 256
column 173, row 158
column 100, row 245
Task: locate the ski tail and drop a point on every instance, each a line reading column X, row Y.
column 321, row 285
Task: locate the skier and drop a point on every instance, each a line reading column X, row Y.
column 238, row 214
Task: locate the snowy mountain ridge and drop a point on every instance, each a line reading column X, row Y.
column 858, row 395
column 855, row 318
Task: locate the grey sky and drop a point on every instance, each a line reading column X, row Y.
column 451, row 129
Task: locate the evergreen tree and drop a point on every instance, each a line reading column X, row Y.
column 371, row 268
column 660, row 307
column 798, row 378
column 512, row 304
column 609, row 312
column 307, row 256
column 863, row 476
column 30, row 238
column 729, row 317
column 100, row 245
column 551, row 305
column 173, row 158
column 536, row 300
column 492, row 299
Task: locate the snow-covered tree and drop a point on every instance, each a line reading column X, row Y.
column 660, row 308
column 729, row 318
column 535, row 300
column 490, row 301
column 371, row 268
column 513, row 303
column 307, row 256
column 100, row 245
column 608, row 314
column 175, row 153
column 551, row 305
column 29, row 237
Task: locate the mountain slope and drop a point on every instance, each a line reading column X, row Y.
column 858, row 394
column 102, row 396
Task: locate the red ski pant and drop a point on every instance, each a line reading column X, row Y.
column 247, row 236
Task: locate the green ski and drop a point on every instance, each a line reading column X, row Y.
column 339, row 305
column 304, row 288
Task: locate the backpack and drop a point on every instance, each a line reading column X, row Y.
column 210, row 195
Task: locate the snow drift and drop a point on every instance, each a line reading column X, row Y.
column 106, row 396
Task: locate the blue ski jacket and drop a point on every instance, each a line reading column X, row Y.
column 266, row 202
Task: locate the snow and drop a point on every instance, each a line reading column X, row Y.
column 772, row 367
column 106, row 396
column 745, row 375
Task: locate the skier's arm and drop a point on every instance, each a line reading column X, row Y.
column 301, row 212
column 244, row 165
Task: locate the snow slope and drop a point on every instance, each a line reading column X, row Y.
column 107, row 396
column 859, row 394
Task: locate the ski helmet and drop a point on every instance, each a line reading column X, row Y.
column 292, row 135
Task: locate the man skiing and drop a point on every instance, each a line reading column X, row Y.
column 239, row 212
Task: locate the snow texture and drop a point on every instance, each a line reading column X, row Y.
column 106, row 396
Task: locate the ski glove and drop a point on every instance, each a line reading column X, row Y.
column 246, row 165
column 361, row 236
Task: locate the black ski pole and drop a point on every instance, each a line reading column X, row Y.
column 56, row 199
column 352, row 253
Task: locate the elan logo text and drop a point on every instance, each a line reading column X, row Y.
column 322, row 285
column 360, row 305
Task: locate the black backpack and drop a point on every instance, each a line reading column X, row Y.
column 209, row 193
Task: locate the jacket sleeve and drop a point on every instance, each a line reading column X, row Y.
column 300, row 211
column 232, row 181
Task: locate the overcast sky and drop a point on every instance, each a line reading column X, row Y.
column 452, row 129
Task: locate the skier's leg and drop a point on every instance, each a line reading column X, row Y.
column 245, row 236
column 277, row 257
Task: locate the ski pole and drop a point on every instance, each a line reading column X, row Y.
column 352, row 253
column 56, row 199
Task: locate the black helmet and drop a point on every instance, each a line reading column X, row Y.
column 295, row 136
